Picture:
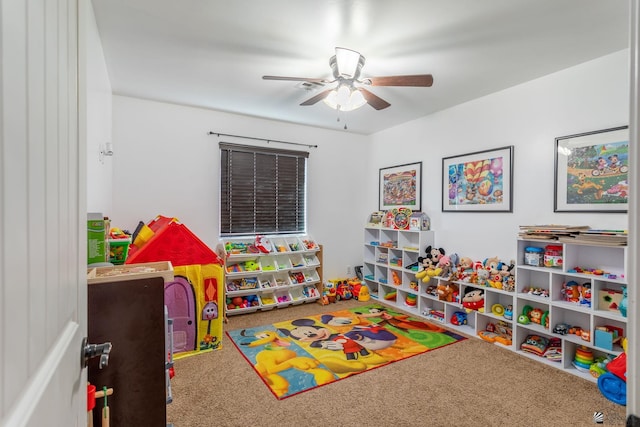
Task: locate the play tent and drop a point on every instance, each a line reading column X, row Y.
column 194, row 298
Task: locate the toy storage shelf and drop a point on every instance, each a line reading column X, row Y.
column 387, row 269
column 582, row 294
column 543, row 288
column 289, row 274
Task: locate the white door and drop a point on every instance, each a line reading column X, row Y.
column 42, row 216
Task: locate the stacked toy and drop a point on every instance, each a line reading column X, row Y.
column 583, row 359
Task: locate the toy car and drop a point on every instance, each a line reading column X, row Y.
column 459, row 318
column 561, row 328
column 343, row 291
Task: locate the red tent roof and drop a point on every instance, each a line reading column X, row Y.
column 172, row 241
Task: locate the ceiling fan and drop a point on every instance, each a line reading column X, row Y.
column 350, row 92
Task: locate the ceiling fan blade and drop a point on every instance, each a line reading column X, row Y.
column 319, row 97
column 374, row 100
column 295, row 79
column 422, row 80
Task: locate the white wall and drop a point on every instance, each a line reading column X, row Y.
column 167, row 164
column 591, row 96
column 99, row 173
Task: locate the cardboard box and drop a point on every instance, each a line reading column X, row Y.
column 97, row 232
column 609, row 299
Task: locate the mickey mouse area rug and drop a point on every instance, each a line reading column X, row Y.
column 298, row 355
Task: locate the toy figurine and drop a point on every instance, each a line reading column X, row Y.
column 571, row 291
column 396, row 278
column 508, row 312
column 585, row 295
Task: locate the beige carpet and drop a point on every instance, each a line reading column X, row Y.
column 472, row 383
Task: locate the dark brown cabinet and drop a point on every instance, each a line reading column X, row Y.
column 129, row 313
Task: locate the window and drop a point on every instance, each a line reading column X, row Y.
column 262, row 190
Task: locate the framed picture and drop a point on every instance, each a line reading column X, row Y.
column 591, row 171
column 478, row 182
column 401, row 186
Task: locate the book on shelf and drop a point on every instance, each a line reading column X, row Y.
column 598, row 237
column 551, row 228
column 549, row 231
column 606, row 232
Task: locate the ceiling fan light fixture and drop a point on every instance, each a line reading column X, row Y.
column 348, row 63
column 345, row 98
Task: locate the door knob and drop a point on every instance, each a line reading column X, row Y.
column 90, row 351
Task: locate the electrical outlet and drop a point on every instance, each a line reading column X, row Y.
column 349, row 270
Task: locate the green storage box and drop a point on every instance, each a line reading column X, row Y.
column 118, row 250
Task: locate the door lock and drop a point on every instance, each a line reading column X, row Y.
column 89, row 351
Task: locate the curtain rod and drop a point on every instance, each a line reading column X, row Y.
column 262, row 139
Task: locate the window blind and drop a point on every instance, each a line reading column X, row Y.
column 262, row 190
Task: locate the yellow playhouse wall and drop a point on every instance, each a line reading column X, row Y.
column 207, row 281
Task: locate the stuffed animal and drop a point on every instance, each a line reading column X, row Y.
column 509, row 284
column 465, row 269
column 507, row 275
column 448, row 264
column 434, row 254
column 473, row 300
column 447, row 291
column 481, row 277
column 428, row 270
column 493, row 265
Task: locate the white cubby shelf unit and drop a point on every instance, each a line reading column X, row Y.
column 389, row 256
column 289, row 274
column 599, row 271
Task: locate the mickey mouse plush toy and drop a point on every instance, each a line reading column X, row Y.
column 434, row 254
column 429, row 264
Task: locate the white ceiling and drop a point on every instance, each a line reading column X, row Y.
column 213, row 53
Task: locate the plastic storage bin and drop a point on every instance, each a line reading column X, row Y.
column 118, row 250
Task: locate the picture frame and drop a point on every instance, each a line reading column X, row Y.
column 591, row 171
column 401, row 186
column 481, row 181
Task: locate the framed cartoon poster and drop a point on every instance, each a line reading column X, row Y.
column 592, row 171
column 478, row 182
column 401, row 186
